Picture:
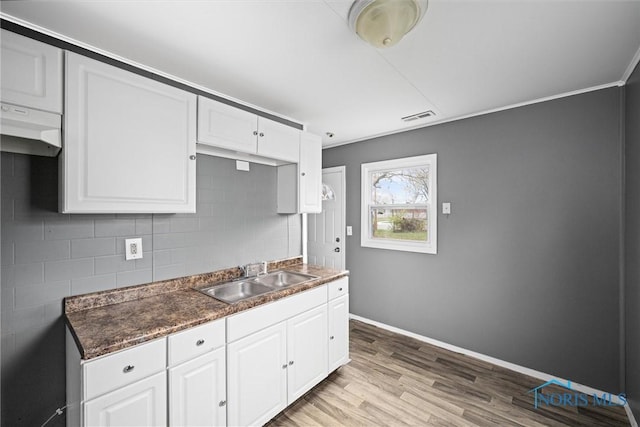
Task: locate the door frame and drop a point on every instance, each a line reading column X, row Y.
column 305, row 230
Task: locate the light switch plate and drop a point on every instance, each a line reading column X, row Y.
column 133, row 248
column 349, row 230
column 446, row 208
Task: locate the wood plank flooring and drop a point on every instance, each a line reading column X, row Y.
column 393, row 380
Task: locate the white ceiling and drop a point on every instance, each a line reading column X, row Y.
column 299, row 59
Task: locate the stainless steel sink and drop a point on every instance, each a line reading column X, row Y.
column 236, row 291
column 282, row 279
column 242, row 289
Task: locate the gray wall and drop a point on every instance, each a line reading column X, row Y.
column 527, row 268
column 632, row 240
column 47, row 256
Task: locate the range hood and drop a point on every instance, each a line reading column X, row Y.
column 28, row 131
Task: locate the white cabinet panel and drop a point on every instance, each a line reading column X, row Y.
column 300, row 185
column 195, row 341
column 307, row 351
column 249, row 321
column 115, row 370
column 143, row 403
column 129, row 142
column 310, row 169
column 257, row 377
column 338, row 332
column 339, row 287
column 224, row 126
column 197, row 391
column 278, row 141
column 230, row 128
column 31, row 73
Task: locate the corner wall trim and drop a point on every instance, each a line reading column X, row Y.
column 502, row 363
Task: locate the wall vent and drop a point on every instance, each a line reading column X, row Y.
column 417, row 116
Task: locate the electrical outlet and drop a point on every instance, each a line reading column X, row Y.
column 133, row 248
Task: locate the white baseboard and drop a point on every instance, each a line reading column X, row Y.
column 502, row 363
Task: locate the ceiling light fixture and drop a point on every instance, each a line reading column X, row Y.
column 383, row 23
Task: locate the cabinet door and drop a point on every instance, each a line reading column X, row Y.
column 31, row 73
column 257, row 376
column 129, row 142
column 278, row 141
column 310, row 170
column 143, row 403
column 307, row 351
column 224, row 126
column 338, row 332
column 197, row 391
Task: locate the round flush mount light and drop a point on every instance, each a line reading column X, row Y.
column 383, row 23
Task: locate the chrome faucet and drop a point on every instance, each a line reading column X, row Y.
column 254, row 269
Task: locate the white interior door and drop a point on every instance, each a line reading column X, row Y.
column 325, row 235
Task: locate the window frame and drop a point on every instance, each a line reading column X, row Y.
column 366, row 240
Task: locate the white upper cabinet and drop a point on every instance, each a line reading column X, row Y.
column 278, row 141
column 300, row 185
column 223, row 126
column 31, row 73
column 130, row 142
column 310, row 174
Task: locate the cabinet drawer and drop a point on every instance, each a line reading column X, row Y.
column 195, row 341
column 250, row 321
column 118, row 369
column 338, row 288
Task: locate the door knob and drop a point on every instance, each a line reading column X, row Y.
column 336, row 250
column 337, row 239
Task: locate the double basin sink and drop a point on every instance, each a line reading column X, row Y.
column 250, row 287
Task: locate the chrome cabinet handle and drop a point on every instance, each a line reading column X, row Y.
column 255, row 132
column 199, row 342
column 192, row 157
column 284, row 366
column 290, row 362
column 222, row 403
column 339, row 289
column 331, row 337
column 261, row 134
column 303, row 174
column 128, row 369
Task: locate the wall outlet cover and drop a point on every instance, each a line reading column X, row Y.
column 133, row 248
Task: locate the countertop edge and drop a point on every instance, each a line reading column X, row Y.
column 88, row 352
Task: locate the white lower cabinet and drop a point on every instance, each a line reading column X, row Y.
column 143, row 403
column 338, row 307
column 257, row 376
column 338, row 332
column 197, row 391
column 238, row 371
column 270, row 369
column 306, row 351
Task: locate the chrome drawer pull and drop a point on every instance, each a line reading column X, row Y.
column 199, row 342
column 222, row 403
column 128, row 369
column 339, row 289
column 331, row 337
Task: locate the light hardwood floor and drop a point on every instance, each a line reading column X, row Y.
column 393, row 380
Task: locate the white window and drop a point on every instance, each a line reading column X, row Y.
column 399, row 204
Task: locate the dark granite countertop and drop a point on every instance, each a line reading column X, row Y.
column 104, row 322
